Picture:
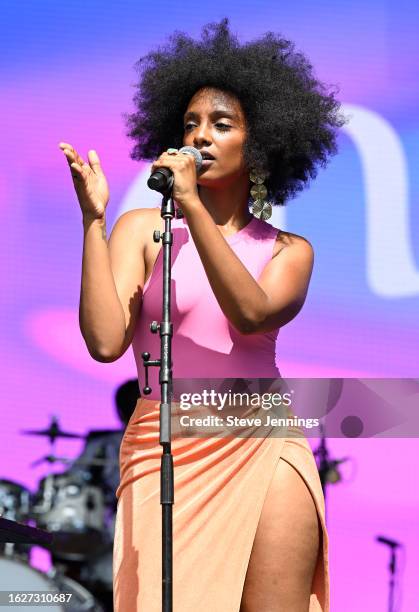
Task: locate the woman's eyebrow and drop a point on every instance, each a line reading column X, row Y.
column 219, row 112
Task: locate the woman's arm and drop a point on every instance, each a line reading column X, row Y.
column 111, row 285
column 112, row 274
column 252, row 306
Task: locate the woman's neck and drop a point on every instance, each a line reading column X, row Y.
column 228, row 206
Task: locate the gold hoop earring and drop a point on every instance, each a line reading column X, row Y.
column 260, row 207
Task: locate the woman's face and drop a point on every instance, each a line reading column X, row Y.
column 214, row 122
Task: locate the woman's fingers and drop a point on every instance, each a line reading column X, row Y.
column 77, row 172
column 88, row 180
column 94, row 162
column 74, row 158
column 79, row 169
column 71, row 154
column 78, row 158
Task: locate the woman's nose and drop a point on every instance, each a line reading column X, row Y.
column 202, row 136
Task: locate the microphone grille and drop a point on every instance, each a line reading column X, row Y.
column 197, row 155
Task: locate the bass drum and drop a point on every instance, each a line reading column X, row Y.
column 81, row 600
column 16, row 575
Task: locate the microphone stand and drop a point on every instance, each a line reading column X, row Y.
column 326, row 466
column 165, row 329
column 322, row 452
column 392, row 568
column 391, row 582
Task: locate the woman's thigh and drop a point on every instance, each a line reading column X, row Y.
column 285, row 548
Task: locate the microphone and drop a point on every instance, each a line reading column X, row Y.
column 162, row 179
column 388, row 542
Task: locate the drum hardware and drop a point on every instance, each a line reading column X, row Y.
column 14, row 506
column 72, row 504
column 75, row 512
column 16, row 533
column 14, row 500
column 76, row 508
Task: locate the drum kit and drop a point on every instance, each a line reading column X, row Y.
column 78, row 508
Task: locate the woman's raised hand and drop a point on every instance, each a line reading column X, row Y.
column 89, row 182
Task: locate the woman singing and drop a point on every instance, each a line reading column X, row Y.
column 249, row 531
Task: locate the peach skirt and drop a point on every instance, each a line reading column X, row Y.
column 220, row 489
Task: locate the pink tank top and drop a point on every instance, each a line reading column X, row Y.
column 205, row 344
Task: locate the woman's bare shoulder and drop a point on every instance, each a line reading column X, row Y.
column 288, row 240
column 139, row 215
column 137, row 222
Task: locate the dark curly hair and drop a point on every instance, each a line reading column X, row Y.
column 291, row 116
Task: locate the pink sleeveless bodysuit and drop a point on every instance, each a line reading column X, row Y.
column 220, row 484
column 205, row 344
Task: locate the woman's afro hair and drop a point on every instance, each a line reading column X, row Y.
column 291, row 116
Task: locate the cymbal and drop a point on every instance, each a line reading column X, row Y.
column 49, row 459
column 75, row 462
column 52, row 432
